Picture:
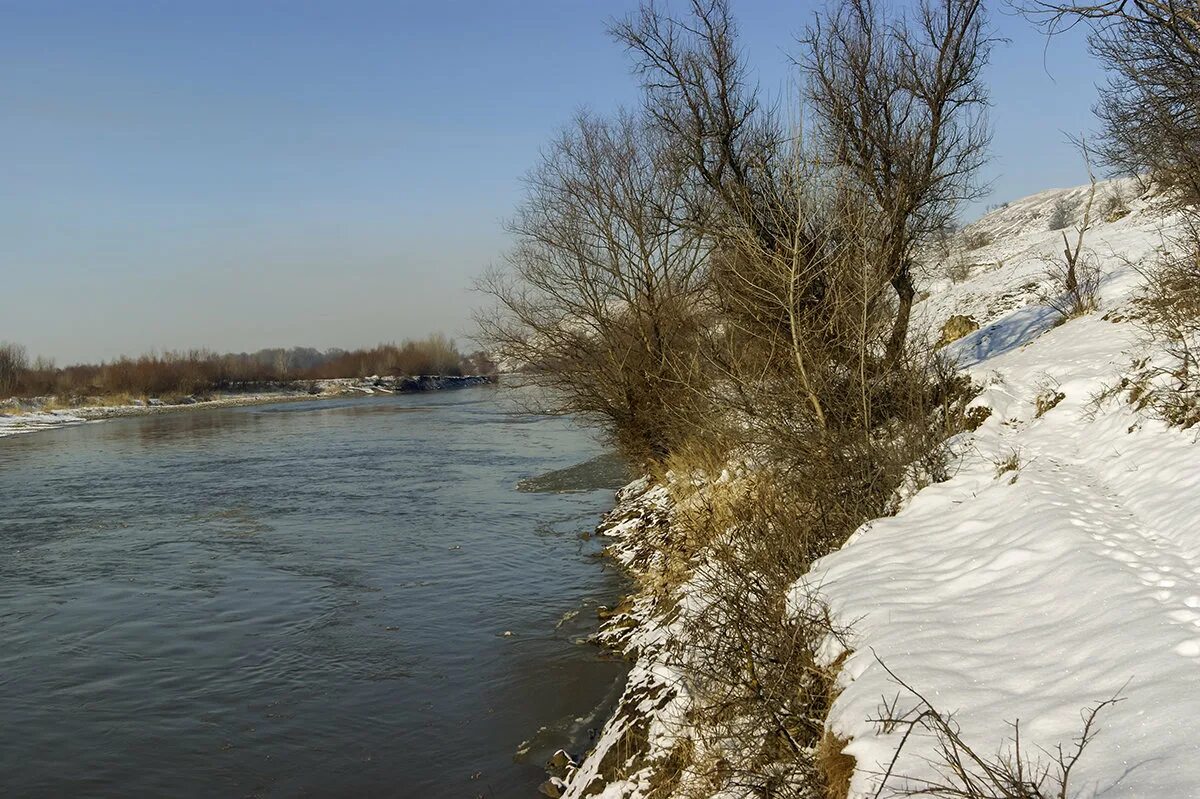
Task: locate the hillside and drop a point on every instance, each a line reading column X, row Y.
column 1057, row 567
column 1032, row 594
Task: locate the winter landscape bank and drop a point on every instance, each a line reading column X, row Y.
column 982, row 629
column 42, row 413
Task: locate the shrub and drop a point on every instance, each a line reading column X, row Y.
column 1169, row 305
column 958, row 269
column 1113, row 207
column 1060, row 214
column 1075, row 276
column 976, row 239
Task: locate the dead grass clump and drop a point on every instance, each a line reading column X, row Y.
column 958, row 269
column 1168, row 308
column 835, row 766
column 976, row 416
column 1008, row 463
column 955, row 328
column 976, row 240
column 1046, row 400
column 669, row 771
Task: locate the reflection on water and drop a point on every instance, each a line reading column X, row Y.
column 308, row 598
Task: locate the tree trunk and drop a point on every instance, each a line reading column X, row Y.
column 902, row 283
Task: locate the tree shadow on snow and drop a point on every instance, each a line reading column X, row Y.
column 1012, row 331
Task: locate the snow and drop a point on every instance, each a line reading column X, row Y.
column 1001, row 596
column 1032, row 595
column 654, row 701
column 12, row 424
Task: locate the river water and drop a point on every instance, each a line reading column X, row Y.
column 329, row 598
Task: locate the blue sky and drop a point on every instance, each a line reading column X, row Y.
column 238, row 175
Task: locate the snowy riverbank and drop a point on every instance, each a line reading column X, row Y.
column 1034, row 592
column 1058, row 567
column 43, row 413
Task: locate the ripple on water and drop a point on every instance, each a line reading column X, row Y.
column 301, row 599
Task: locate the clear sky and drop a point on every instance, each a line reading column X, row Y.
column 237, row 175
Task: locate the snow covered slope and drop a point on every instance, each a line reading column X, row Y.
column 1031, row 594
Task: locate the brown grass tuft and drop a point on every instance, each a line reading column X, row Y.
column 834, row 765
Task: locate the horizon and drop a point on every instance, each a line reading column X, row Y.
column 308, row 175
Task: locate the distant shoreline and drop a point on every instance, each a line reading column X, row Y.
column 43, row 413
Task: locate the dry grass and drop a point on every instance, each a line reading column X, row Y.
column 669, row 771
column 1047, row 399
column 961, row 772
column 976, row 416
column 1010, row 462
column 976, row 240
column 958, row 268
column 1168, row 309
column 955, row 328
column 835, row 766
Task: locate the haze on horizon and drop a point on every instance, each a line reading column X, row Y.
column 237, row 176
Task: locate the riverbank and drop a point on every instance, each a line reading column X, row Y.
column 45, row 413
column 646, row 629
column 1052, row 568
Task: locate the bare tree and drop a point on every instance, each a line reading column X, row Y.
column 1150, row 107
column 1178, row 19
column 697, row 92
column 752, row 192
column 13, row 361
column 900, row 106
column 1076, row 275
column 601, row 299
column 719, row 296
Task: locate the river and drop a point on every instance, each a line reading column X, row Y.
column 327, row 598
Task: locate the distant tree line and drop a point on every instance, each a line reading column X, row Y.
column 184, row 373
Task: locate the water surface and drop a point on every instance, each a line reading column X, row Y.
column 331, row 598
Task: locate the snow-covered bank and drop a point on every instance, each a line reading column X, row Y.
column 27, row 416
column 1058, row 567
column 646, row 719
column 1033, row 593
